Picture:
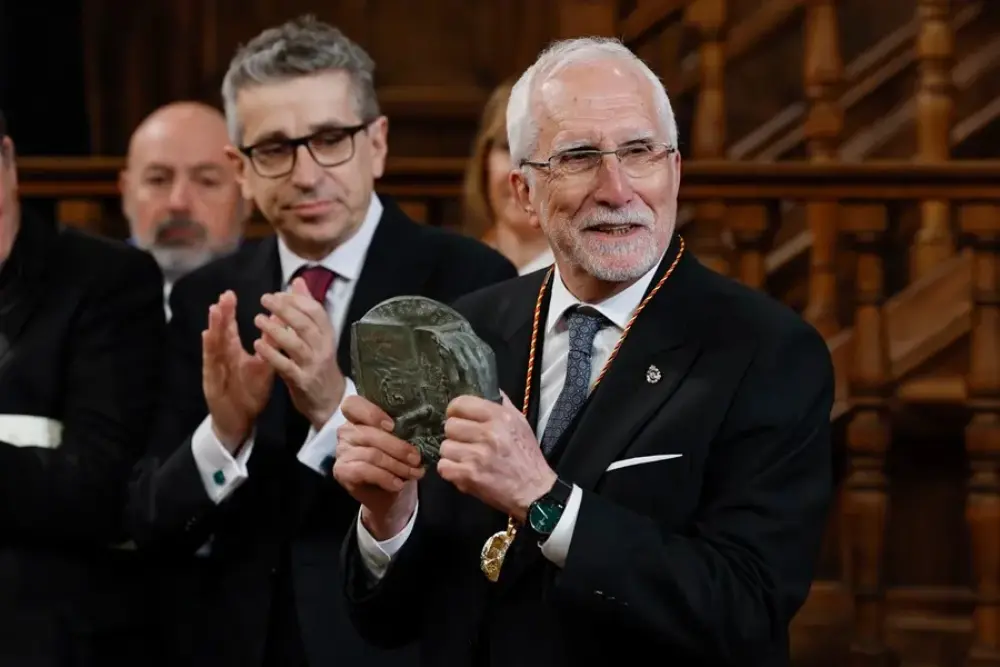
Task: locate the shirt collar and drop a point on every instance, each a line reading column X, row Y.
column 346, row 260
column 617, row 308
column 544, row 259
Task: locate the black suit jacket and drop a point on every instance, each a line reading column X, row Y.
column 697, row 560
column 81, row 336
column 283, row 504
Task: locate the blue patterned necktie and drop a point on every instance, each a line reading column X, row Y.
column 583, row 327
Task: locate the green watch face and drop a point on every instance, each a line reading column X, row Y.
column 543, row 515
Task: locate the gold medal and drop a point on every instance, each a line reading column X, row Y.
column 494, row 551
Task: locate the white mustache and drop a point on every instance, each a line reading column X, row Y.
column 606, row 216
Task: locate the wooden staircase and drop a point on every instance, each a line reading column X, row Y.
column 877, row 92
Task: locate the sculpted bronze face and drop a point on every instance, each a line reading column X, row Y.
column 411, row 356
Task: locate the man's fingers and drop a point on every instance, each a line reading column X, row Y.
column 357, row 472
column 299, row 301
column 464, row 430
column 359, row 410
column 284, row 309
column 378, row 458
column 282, row 365
column 277, row 335
column 361, row 438
column 472, row 408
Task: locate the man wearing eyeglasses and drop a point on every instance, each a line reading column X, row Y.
column 239, row 470
column 81, row 340
column 654, row 487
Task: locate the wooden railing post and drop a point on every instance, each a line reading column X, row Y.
column 85, row 214
column 823, row 76
column 981, row 224
column 865, row 497
column 935, row 114
column 750, row 226
column 708, row 132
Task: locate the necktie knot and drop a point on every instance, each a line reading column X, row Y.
column 318, row 280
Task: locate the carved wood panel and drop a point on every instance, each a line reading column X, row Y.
column 435, row 65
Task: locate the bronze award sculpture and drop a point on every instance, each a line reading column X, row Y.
column 411, row 356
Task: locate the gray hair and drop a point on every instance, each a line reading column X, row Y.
column 522, row 125
column 300, row 47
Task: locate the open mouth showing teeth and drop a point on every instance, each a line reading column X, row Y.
column 614, row 230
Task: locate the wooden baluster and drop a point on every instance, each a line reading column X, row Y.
column 865, row 500
column 750, row 226
column 82, row 214
column 708, row 131
column 935, row 114
column 981, row 223
column 823, row 76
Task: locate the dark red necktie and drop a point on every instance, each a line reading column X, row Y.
column 318, row 280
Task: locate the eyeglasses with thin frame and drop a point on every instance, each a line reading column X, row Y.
column 637, row 159
column 329, row 147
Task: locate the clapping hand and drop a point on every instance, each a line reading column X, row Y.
column 236, row 384
column 300, row 345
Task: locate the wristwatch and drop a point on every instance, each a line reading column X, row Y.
column 544, row 513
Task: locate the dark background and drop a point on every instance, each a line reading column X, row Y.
column 41, row 76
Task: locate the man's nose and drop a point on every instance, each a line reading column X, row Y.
column 307, row 172
column 180, row 196
column 613, row 187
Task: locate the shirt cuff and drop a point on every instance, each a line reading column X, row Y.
column 221, row 473
column 377, row 556
column 320, row 447
column 556, row 548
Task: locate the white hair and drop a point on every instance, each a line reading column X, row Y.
column 522, row 125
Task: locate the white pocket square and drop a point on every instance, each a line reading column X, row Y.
column 639, row 460
column 30, row 431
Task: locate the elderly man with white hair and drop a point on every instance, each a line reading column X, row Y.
column 655, row 484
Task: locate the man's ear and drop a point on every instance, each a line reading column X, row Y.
column 378, row 135
column 8, row 159
column 239, row 163
column 521, row 185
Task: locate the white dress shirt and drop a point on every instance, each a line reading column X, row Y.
column 221, row 472
column 618, row 310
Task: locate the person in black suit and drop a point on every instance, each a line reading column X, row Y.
column 81, row 340
column 673, row 512
column 238, row 473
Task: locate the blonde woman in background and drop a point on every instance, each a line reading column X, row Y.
column 491, row 212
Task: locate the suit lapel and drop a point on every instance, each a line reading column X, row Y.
column 651, row 363
column 262, row 274
column 22, row 280
column 516, row 317
column 394, row 265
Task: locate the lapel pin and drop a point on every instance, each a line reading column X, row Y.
column 653, row 375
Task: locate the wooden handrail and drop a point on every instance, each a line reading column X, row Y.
column 701, row 179
column 644, row 18
column 743, row 37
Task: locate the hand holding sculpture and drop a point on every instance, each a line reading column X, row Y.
column 378, row 469
column 490, row 452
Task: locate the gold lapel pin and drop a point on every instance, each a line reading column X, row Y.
column 653, row 375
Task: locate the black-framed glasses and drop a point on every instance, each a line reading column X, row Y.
column 329, row 147
column 637, row 159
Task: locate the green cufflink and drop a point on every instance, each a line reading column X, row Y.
column 219, row 477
